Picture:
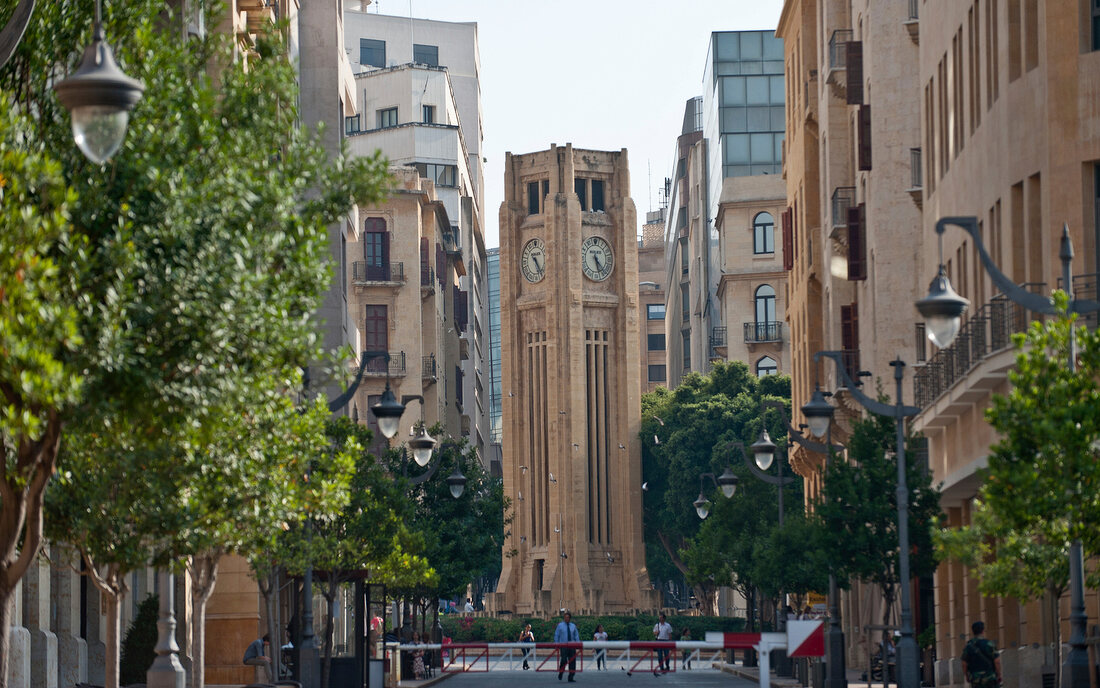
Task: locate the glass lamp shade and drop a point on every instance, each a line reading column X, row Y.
column 942, row 310
column 422, row 446
column 99, row 97
column 388, row 411
column 702, row 506
column 728, row 482
column 763, row 451
column 818, row 413
column 457, row 482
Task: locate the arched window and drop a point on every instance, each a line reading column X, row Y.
column 765, row 304
column 763, row 234
column 766, row 366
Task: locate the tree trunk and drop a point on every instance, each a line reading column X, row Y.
column 204, row 576
column 330, row 598
column 702, row 594
column 21, row 490
column 111, row 655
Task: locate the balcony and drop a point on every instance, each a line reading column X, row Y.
column 376, row 367
column 429, row 373
column 916, row 177
column 427, row 280
column 912, row 24
column 364, row 273
column 718, row 336
column 988, row 331
column 1085, row 287
column 838, row 59
column 763, row 332
column 844, row 198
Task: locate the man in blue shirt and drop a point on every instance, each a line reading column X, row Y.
column 567, row 632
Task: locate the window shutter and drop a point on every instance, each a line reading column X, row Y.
column 461, row 309
column 788, row 241
column 849, row 339
column 857, row 243
column 854, row 72
column 425, row 263
column 864, row 137
column 440, row 264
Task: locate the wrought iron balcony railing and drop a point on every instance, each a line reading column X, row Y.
column 363, row 272
column 764, row 331
column 717, row 337
column 377, row 365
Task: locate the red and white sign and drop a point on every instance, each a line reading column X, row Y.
column 806, row 638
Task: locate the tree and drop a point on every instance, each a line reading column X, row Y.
column 859, row 510
column 190, row 266
column 695, row 424
column 1041, row 490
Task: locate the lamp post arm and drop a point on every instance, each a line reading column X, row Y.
column 1016, row 293
column 873, row 405
column 755, row 470
column 794, row 434
column 341, row 401
column 12, row 33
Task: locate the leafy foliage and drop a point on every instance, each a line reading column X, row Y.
column 138, row 646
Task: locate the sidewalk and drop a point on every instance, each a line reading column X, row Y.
column 753, row 674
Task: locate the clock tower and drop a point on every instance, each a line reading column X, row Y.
column 570, row 347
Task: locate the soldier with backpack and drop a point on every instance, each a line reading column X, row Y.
column 980, row 663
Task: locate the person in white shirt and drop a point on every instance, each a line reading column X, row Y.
column 663, row 631
column 601, row 654
column 469, row 605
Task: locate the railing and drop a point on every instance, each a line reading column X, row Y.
column 989, row 330
column 851, row 363
column 844, row 197
column 916, row 172
column 427, row 275
column 914, row 13
column 717, row 337
column 362, row 271
column 428, row 368
column 838, row 48
column 377, row 365
column 1085, row 287
column 766, row 331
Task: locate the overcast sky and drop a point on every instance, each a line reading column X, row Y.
column 600, row 74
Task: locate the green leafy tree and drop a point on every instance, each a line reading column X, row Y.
column 189, row 268
column 1041, row 490
column 859, row 510
column 38, row 334
column 695, row 424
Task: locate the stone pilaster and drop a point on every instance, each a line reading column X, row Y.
column 94, row 635
column 36, row 617
column 72, row 650
column 19, row 645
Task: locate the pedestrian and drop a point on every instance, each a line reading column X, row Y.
column 685, row 656
column 469, row 605
column 980, row 663
column 257, row 655
column 567, row 632
column 419, row 669
column 662, row 630
column 601, row 654
column 526, row 636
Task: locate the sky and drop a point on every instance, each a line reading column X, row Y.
column 600, row 74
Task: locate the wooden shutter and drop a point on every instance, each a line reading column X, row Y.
column 853, row 66
column 857, row 243
column 425, row 263
column 864, row 137
column 788, row 241
column 461, row 309
column 849, row 338
column 376, row 335
column 440, row 264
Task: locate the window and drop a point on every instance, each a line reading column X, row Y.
column 376, row 250
column 387, row 118
column 686, row 334
column 376, row 335
column 597, row 195
column 372, row 53
column 534, row 198
column 351, row 125
column 426, row 54
column 685, row 302
column 429, row 114
column 655, row 342
column 442, row 175
column 763, row 234
column 580, row 186
column 655, row 311
column 589, row 193
column 765, row 304
column 766, row 366
column 1095, row 24
column 657, row 373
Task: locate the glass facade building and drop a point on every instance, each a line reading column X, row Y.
column 492, row 261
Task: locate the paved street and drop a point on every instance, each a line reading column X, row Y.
column 522, row 679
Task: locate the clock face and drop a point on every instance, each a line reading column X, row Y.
column 597, row 260
column 532, row 262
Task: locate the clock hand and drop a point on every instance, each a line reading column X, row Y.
column 596, row 257
column 538, row 265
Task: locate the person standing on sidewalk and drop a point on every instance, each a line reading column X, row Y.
column 601, row 654
column 567, row 632
column 527, row 636
column 663, row 631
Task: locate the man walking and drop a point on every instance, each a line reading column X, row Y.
column 980, row 663
column 567, row 632
column 662, row 631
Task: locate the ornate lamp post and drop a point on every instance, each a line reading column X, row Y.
column 908, row 655
column 728, row 484
column 942, row 310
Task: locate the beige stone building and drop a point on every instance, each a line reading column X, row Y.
column 753, row 283
column 651, row 302
column 570, row 355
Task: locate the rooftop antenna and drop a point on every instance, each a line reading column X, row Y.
column 649, row 167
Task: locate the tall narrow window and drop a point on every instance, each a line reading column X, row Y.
column 534, row 203
column 597, row 194
column 763, row 234
column 372, row 53
column 1095, row 24
column 376, row 250
column 376, row 335
column 765, row 310
column 687, row 349
column 580, row 187
column 429, row 114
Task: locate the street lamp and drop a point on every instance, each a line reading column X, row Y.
column 728, row 484
column 947, row 312
column 908, row 657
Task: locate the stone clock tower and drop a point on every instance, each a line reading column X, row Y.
column 571, row 386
